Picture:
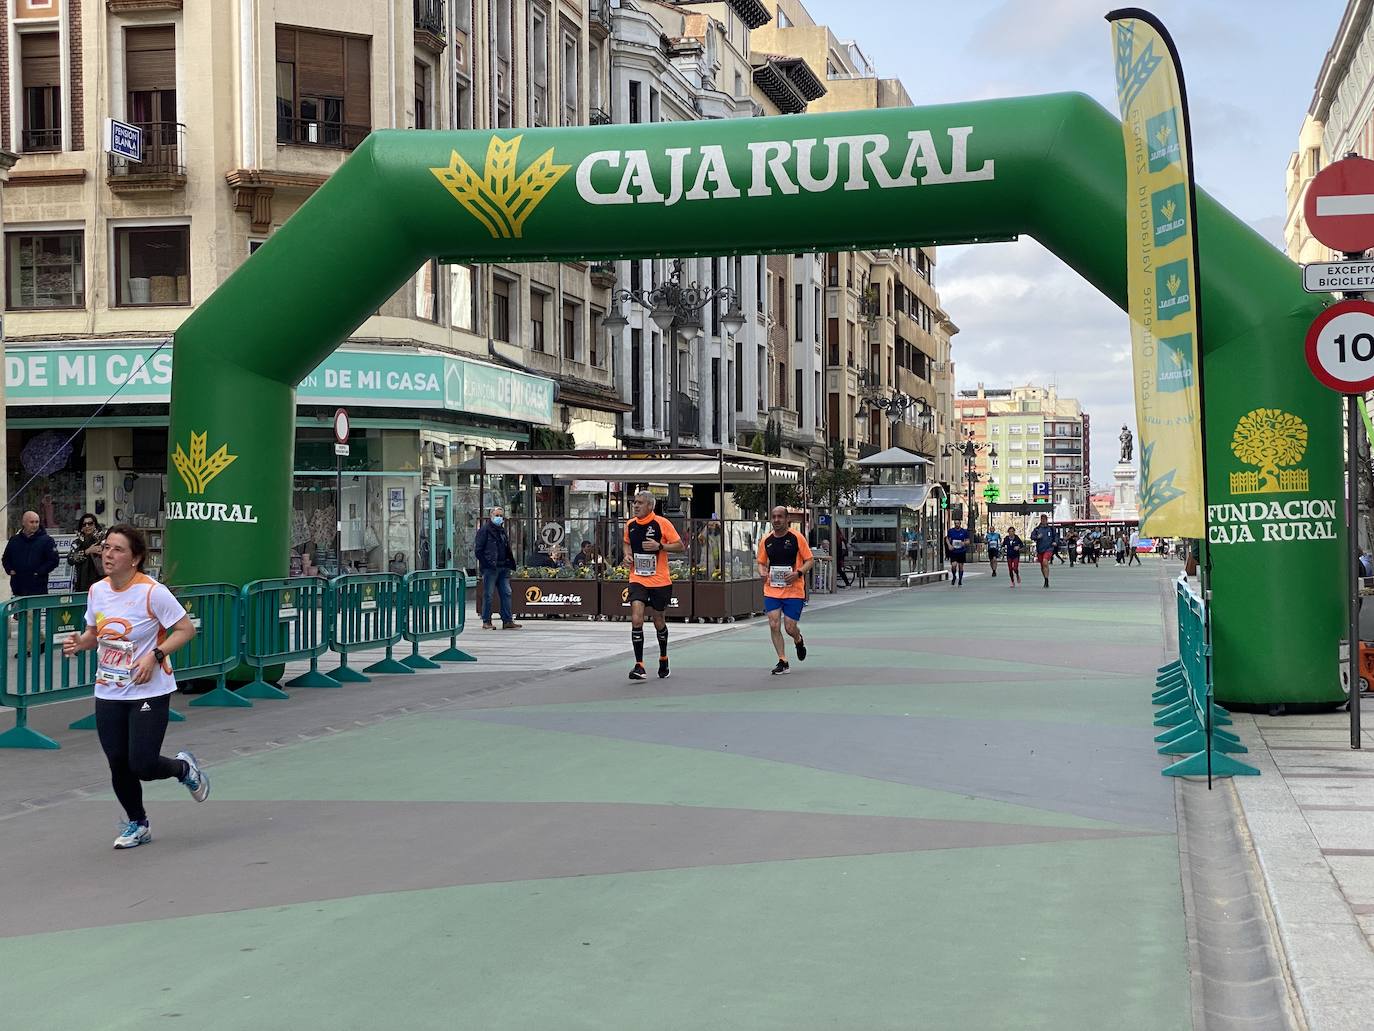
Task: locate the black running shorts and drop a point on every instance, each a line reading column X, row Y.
column 656, row 598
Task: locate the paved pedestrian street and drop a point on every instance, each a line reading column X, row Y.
column 949, row 816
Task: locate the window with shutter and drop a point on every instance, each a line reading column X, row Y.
column 150, row 75
column 324, row 88
column 41, row 69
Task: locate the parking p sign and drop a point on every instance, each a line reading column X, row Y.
column 123, row 140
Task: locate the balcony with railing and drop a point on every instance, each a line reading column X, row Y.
column 316, row 132
column 599, row 17
column 598, row 116
column 39, row 141
column 162, row 166
column 688, row 417
column 430, row 25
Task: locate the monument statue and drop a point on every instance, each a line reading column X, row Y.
column 1127, row 444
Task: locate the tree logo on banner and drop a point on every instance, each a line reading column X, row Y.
column 197, row 470
column 1270, row 438
column 499, row 198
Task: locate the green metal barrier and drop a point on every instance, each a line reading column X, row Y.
column 285, row 620
column 42, row 674
column 1193, row 719
column 368, row 613
column 215, row 612
column 434, row 608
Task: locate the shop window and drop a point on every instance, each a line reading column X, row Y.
column 41, row 69
column 324, row 88
column 46, row 270
column 152, row 265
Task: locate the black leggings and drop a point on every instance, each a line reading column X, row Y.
column 131, row 734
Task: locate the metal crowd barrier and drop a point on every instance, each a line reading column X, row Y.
column 367, row 614
column 1184, row 688
column 434, row 609
column 267, row 623
column 285, row 620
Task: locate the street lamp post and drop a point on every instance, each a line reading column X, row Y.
column 968, row 449
column 676, row 309
column 896, row 405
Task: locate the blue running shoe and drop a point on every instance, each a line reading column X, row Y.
column 196, row 781
column 133, row 835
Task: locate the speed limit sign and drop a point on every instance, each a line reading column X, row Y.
column 1340, row 347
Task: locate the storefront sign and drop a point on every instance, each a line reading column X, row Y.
column 869, row 522
column 83, row 375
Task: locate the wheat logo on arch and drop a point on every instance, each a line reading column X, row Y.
column 499, row 198
column 196, row 469
column 1270, row 438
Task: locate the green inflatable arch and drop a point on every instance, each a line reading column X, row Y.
column 1051, row 167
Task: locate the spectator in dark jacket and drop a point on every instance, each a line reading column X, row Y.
column 29, row 557
column 85, row 558
column 495, row 560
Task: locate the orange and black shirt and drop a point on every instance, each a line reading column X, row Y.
column 649, row 568
column 782, row 553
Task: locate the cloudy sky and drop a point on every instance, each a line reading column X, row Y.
column 1023, row 315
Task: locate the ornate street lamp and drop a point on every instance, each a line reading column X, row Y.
column 896, row 406
column 676, row 310
column 968, row 449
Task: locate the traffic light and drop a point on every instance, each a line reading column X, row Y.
column 944, row 494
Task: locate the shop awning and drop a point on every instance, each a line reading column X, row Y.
column 706, row 466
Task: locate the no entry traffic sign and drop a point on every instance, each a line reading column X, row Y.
column 1339, row 207
column 1340, row 347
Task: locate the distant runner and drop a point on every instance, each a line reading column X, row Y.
column 1014, row 545
column 1046, row 539
column 956, row 542
column 784, row 557
column 648, row 539
column 994, row 540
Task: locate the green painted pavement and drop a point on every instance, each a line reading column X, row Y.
column 424, row 758
column 1010, row 937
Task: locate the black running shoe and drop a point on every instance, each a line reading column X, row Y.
column 662, row 669
column 781, row 668
column 637, row 672
column 801, row 651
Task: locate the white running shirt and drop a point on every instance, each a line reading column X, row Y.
column 128, row 625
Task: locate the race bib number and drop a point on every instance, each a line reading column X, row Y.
column 777, row 575
column 115, row 663
column 645, row 565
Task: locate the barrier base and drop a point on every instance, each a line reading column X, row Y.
column 348, row 675
column 222, row 697
column 1174, row 733
column 313, row 678
column 262, row 689
column 26, row 737
column 418, row 661
column 84, row 723
column 388, row 665
column 175, row 717
column 454, row 655
column 1169, row 668
column 1196, row 740
column 1222, row 766
column 1169, row 695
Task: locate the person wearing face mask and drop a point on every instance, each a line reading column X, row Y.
column 495, row 560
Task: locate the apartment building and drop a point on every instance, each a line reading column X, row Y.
column 1339, row 121
column 245, row 108
column 885, row 330
column 1039, row 438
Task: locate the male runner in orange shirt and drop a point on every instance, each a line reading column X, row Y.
column 648, row 539
column 784, row 557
